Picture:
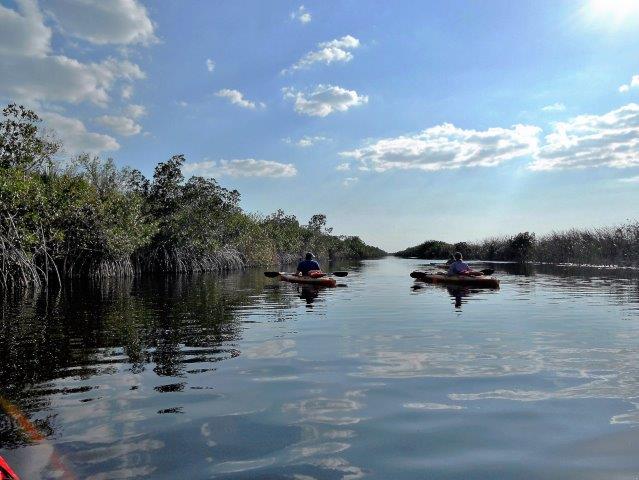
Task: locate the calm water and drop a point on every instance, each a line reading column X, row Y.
column 243, row 377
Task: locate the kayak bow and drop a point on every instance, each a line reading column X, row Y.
column 5, row 471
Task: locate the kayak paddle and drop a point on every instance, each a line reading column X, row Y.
column 277, row 274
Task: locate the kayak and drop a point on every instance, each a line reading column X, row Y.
column 482, row 281
column 321, row 281
column 5, row 471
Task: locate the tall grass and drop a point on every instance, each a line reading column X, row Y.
column 615, row 245
column 618, row 245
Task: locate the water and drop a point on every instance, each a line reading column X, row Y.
column 243, row 377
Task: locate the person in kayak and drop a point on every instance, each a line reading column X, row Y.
column 459, row 267
column 307, row 265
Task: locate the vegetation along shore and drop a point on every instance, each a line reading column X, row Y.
column 617, row 245
column 87, row 217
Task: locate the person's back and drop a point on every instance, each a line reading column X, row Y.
column 307, row 265
column 458, row 266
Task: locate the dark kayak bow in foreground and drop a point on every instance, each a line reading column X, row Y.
column 485, row 281
column 317, row 278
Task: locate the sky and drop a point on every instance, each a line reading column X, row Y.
column 401, row 121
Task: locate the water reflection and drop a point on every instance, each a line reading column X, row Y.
column 236, row 377
column 460, row 295
column 104, row 361
column 309, row 293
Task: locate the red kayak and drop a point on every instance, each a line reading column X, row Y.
column 5, row 471
column 317, row 278
column 484, row 281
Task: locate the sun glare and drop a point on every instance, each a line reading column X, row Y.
column 613, row 12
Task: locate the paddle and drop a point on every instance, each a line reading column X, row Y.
column 277, row 274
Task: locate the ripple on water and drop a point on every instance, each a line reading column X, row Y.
column 244, row 377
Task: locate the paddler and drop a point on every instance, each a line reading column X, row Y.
column 459, row 267
column 307, row 265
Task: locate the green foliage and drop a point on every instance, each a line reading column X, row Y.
column 284, row 230
column 21, row 145
column 354, row 247
column 521, row 246
column 433, row 249
column 93, row 218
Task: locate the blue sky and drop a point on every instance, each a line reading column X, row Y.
column 401, row 121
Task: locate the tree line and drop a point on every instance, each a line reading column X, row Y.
column 616, row 245
column 87, row 217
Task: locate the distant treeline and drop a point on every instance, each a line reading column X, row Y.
column 617, row 245
column 89, row 218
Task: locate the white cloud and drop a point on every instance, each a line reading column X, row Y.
column 634, row 83
column 127, row 92
column 135, row 111
column 324, row 100
column 182, row 103
column 124, row 69
column 31, row 73
column 248, row 167
column 104, row 22
column 343, row 167
column 350, row 181
column 554, row 107
column 59, row 78
column 23, row 31
column 630, row 179
column 306, row 141
column 121, row 125
column 237, row 98
column 75, row 137
column 611, row 139
column 302, row 15
column 446, row 146
column 210, row 65
column 584, row 141
column 338, row 50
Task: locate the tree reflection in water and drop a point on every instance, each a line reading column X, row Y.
column 90, row 329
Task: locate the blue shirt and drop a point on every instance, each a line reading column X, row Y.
column 306, row 266
column 458, row 267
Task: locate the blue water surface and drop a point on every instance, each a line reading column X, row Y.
column 239, row 376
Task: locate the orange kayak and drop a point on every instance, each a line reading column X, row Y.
column 484, row 281
column 321, row 281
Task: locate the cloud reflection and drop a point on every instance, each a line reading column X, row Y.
column 610, row 372
column 281, row 348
